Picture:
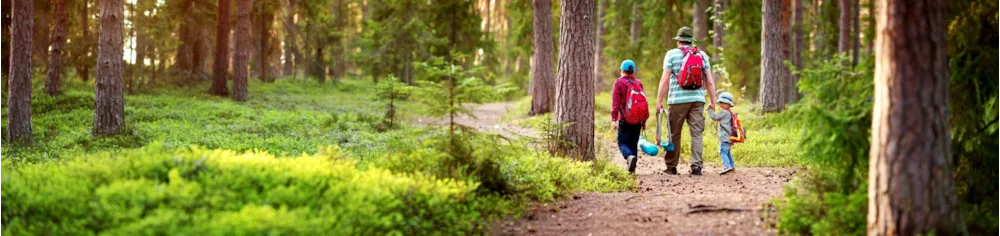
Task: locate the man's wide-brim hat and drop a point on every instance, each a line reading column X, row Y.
column 685, row 34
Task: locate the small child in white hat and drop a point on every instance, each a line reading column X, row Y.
column 725, row 119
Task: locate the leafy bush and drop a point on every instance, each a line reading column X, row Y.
column 511, row 167
column 973, row 94
column 201, row 191
column 832, row 196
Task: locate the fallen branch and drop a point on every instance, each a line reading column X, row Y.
column 638, row 196
column 709, row 208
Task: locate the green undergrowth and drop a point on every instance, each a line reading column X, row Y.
column 154, row 191
column 190, row 163
column 288, row 116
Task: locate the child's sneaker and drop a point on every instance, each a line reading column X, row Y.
column 727, row 170
column 631, row 163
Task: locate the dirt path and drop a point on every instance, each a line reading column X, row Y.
column 661, row 205
column 487, row 118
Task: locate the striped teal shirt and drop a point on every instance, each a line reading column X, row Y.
column 673, row 61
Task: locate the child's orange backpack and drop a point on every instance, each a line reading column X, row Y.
column 739, row 134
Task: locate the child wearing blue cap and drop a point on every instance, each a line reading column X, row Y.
column 629, row 111
column 725, row 119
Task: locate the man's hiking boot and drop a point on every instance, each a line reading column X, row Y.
column 695, row 170
column 671, row 171
column 727, row 170
column 631, row 164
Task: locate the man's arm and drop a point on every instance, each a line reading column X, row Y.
column 711, row 81
column 711, row 89
column 663, row 91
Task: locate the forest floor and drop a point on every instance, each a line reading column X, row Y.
column 738, row 203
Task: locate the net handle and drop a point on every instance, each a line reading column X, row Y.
column 662, row 117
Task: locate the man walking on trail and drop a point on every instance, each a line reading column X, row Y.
column 681, row 83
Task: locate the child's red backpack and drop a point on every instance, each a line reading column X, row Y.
column 739, row 134
column 636, row 107
column 692, row 73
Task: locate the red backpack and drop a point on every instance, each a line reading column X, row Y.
column 636, row 108
column 692, row 73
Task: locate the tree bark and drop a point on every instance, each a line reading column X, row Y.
column 797, row 47
column 289, row 22
column 911, row 189
column 40, row 41
column 701, row 21
column 599, row 48
column 489, row 17
column 844, row 42
column 772, row 50
column 636, row 26
column 5, row 25
column 857, row 31
column 262, row 18
column 19, row 87
column 870, row 39
column 785, row 74
column 240, row 60
column 193, row 51
column 85, row 22
column 574, row 89
column 221, row 66
column 109, row 102
column 53, row 82
column 719, row 29
column 542, row 66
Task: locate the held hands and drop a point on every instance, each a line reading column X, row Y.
column 659, row 105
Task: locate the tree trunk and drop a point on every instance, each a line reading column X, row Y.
column 785, row 74
column 221, row 66
column 489, row 17
column 772, row 51
column 857, row 32
column 636, row 23
column 701, row 21
column 289, row 23
column 19, row 87
column 844, row 43
column 719, row 29
column 85, row 22
column 870, row 39
column 192, row 53
column 54, row 78
column 261, row 19
column 109, row 102
column 599, row 49
column 911, row 189
column 40, row 41
column 5, row 25
column 797, row 47
column 574, row 89
column 240, row 63
column 265, row 17
column 542, row 66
